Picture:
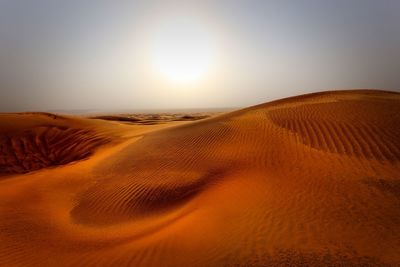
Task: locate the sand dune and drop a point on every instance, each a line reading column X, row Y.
column 150, row 119
column 312, row 180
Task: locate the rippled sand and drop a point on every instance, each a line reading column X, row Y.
column 311, row 180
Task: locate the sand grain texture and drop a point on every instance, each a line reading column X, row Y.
column 312, row 180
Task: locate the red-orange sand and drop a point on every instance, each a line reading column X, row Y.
column 312, row 180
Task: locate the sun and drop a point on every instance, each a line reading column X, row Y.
column 182, row 50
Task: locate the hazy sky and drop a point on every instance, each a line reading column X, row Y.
column 182, row 54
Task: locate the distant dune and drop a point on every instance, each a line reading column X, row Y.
column 151, row 119
column 312, row 180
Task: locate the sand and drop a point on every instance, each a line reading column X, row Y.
column 312, row 180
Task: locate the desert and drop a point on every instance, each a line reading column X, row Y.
column 310, row 180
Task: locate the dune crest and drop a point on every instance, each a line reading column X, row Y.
column 310, row 180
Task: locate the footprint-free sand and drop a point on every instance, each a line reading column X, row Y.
column 312, row 180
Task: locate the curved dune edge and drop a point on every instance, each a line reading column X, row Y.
column 310, row 180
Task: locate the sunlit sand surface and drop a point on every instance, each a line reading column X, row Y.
column 312, row 180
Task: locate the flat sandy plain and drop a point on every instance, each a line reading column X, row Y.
column 312, row 180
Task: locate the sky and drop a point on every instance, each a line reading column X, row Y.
column 120, row 55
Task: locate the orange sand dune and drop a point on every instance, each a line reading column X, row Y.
column 312, row 180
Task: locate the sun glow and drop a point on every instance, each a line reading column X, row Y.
column 182, row 50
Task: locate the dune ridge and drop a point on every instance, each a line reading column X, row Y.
column 333, row 132
column 311, row 180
